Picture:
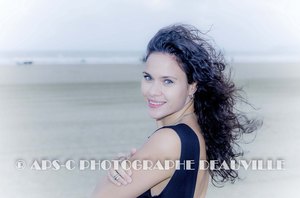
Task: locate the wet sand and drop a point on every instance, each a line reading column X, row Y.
column 86, row 120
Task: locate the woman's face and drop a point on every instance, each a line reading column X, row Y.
column 164, row 85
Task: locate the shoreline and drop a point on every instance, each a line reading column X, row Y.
column 96, row 73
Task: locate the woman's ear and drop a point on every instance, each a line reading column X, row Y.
column 192, row 88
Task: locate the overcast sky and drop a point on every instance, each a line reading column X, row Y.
column 236, row 25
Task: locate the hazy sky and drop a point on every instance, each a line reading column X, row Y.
column 236, row 25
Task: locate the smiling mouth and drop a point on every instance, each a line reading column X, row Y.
column 155, row 104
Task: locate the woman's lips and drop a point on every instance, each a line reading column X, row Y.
column 155, row 104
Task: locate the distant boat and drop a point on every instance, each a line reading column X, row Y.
column 25, row 62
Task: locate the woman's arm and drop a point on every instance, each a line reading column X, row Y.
column 124, row 173
column 163, row 144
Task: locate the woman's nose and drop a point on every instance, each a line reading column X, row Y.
column 155, row 89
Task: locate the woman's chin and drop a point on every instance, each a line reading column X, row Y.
column 155, row 116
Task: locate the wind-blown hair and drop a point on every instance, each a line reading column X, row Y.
column 222, row 125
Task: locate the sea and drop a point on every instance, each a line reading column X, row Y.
column 50, row 57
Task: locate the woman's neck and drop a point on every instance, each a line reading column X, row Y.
column 186, row 112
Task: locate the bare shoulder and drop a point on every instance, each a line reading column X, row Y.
column 164, row 144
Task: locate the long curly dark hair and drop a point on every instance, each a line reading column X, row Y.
column 221, row 123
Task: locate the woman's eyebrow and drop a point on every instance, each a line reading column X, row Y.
column 163, row 77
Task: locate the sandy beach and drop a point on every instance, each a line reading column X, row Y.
column 67, row 112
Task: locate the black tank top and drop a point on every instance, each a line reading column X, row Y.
column 182, row 183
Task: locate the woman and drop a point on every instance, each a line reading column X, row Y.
column 192, row 101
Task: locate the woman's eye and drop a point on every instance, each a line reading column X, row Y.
column 147, row 78
column 167, row 81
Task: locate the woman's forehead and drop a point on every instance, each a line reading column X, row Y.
column 163, row 64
